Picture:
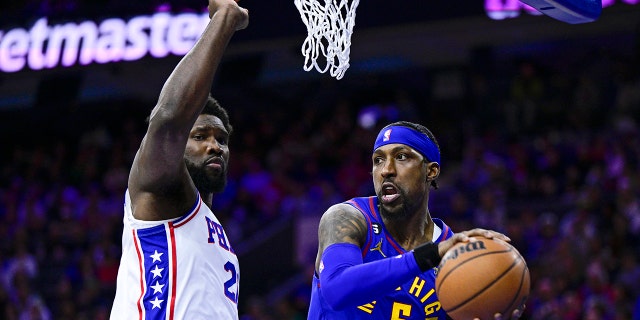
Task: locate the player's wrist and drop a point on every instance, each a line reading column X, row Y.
column 427, row 256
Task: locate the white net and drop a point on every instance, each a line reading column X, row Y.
column 329, row 28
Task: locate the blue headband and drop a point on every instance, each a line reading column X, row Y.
column 410, row 137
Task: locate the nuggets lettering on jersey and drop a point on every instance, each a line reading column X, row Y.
column 183, row 268
column 415, row 299
column 429, row 304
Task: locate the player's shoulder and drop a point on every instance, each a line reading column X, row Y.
column 343, row 208
column 342, row 223
column 342, row 212
column 354, row 207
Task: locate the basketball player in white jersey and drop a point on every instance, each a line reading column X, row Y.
column 177, row 262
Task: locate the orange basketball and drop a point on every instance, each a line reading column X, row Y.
column 481, row 278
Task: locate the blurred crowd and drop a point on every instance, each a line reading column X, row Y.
column 546, row 153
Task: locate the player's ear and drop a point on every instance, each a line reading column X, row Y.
column 433, row 170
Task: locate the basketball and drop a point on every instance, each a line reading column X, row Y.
column 479, row 279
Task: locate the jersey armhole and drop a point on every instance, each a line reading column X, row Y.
column 369, row 236
column 142, row 224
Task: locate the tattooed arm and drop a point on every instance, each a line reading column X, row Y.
column 341, row 223
column 345, row 280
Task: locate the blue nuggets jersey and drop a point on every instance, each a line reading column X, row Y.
column 415, row 299
column 182, row 268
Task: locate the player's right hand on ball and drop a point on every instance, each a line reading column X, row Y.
column 241, row 15
column 467, row 236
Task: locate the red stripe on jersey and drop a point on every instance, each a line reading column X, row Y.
column 445, row 233
column 372, row 207
column 391, row 241
column 191, row 215
column 174, row 267
column 140, row 263
column 394, row 244
column 369, row 236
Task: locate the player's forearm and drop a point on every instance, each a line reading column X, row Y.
column 181, row 100
column 347, row 282
column 184, row 93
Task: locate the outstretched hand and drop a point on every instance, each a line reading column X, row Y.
column 232, row 7
column 467, row 236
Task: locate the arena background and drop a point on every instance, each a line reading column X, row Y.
column 537, row 121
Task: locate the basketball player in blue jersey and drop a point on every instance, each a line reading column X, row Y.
column 377, row 255
column 177, row 262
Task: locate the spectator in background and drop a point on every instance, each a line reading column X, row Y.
column 527, row 91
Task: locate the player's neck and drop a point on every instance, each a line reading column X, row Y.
column 207, row 198
column 412, row 232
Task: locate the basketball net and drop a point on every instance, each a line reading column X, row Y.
column 329, row 29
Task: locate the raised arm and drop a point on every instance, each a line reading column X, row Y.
column 159, row 183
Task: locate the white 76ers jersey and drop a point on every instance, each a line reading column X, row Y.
column 182, row 268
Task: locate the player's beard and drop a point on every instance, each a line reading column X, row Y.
column 206, row 183
column 398, row 212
